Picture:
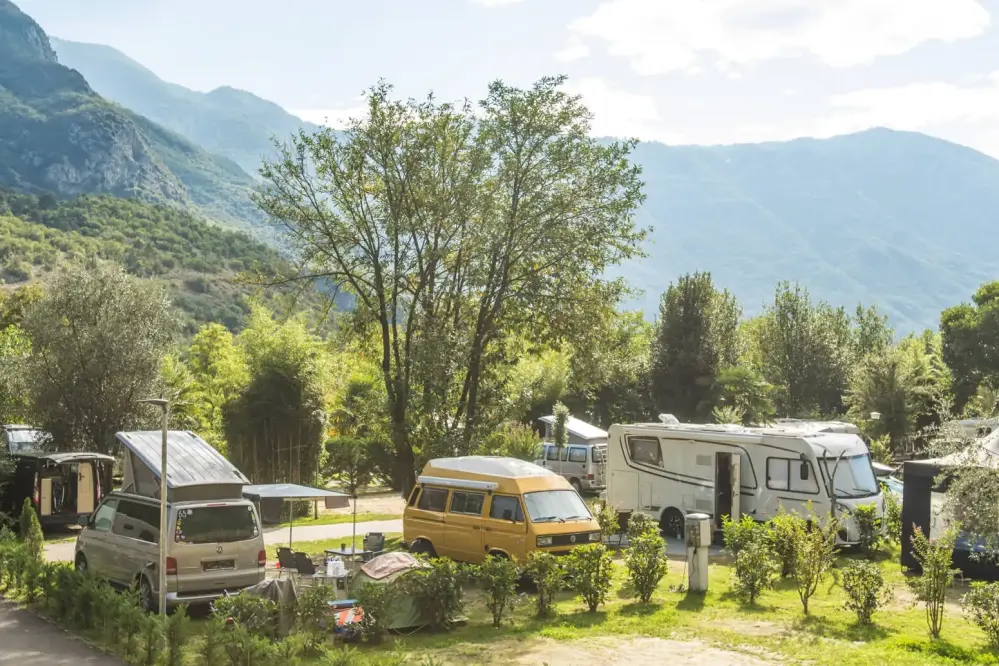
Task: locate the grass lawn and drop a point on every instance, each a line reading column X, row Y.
column 318, row 548
column 341, row 518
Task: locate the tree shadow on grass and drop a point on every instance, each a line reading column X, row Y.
column 692, row 601
column 946, row 650
column 854, row 632
column 638, row 609
column 744, row 605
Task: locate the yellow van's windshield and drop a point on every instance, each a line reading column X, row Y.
column 550, row 506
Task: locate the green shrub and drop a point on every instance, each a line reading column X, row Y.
column 869, row 535
column 312, row 607
column 647, row 563
column 257, row 614
column 981, row 605
column 641, row 523
column 934, row 558
column 589, row 572
column 866, row 590
column 437, row 590
column 548, row 575
column 31, row 531
column 175, row 636
column 814, row 554
column 151, row 640
column 377, row 602
column 739, row 534
column 893, row 518
column 784, row 530
column 756, row 569
column 606, row 517
column 498, row 577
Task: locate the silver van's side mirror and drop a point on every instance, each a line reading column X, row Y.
column 804, row 471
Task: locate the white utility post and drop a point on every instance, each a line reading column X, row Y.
column 161, row 565
column 697, row 530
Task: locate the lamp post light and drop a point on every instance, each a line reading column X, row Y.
column 161, row 565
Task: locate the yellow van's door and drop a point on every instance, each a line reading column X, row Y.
column 504, row 528
column 463, row 525
column 426, row 519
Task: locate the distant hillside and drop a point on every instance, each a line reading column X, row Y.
column 898, row 219
column 58, row 135
column 198, row 262
column 228, row 122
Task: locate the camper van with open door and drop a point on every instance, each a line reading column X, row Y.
column 669, row 469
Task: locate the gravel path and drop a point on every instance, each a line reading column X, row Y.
column 28, row 640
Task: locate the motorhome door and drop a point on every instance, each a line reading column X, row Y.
column 727, row 486
column 85, row 488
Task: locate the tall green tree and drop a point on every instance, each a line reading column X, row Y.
column 449, row 228
column 14, row 351
column 97, row 337
column 276, row 426
column 695, row 336
column 970, row 337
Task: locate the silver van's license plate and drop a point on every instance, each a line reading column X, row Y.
column 219, row 565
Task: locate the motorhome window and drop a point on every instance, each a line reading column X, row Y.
column 645, row 450
column 467, row 503
column 433, row 499
column 216, row 524
column 577, row 455
column 854, row 476
column 104, row 517
column 778, row 473
column 555, row 506
column 505, row 507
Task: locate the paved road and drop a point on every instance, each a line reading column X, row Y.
column 27, row 640
column 63, row 551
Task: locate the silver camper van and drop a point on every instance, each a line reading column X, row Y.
column 215, row 543
column 583, row 461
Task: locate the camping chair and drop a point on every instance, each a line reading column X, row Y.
column 375, row 543
column 287, row 561
column 623, row 518
column 307, row 569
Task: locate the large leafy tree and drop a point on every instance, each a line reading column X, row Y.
column 450, row 228
column 14, row 349
column 970, row 334
column 97, row 337
column 695, row 337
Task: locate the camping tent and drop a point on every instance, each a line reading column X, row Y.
column 282, row 593
column 389, row 568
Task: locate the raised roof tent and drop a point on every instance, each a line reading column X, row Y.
column 510, row 468
column 579, row 431
column 195, row 470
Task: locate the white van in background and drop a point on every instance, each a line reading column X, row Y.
column 583, row 461
column 669, row 469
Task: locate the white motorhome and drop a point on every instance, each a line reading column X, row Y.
column 669, row 469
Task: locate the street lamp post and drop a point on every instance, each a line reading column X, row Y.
column 161, row 565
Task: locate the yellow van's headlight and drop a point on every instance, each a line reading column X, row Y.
column 594, row 536
column 544, row 541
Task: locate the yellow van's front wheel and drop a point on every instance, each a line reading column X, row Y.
column 423, row 547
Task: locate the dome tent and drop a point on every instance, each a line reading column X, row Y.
column 388, row 569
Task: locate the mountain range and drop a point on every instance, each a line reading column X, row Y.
column 896, row 219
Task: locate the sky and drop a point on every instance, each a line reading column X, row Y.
column 677, row 71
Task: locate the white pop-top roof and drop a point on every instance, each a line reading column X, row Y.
column 510, row 468
column 580, row 429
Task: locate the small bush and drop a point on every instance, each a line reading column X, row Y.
column 175, row 636
column 641, row 523
column 868, row 529
column 378, row 613
column 930, row 587
column 739, row 534
column 647, row 563
column 438, row 591
column 866, row 590
column 981, row 605
column 312, row 606
column 893, row 518
column 589, row 570
column 756, row 570
column 548, row 574
column 257, row 614
column 814, row 554
column 606, row 517
column 784, row 530
column 498, row 578
column 31, row 531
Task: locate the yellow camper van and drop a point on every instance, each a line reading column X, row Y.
column 467, row 508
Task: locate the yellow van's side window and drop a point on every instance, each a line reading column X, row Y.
column 505, row 507
column 413, row 495
column 467, row 503
column 433, row 499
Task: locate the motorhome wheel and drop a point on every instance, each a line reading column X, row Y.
column 671, row 523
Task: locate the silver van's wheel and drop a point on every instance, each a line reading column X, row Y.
column 671, row 523
column 81, row 564
column 576, row 485
column 146, row 597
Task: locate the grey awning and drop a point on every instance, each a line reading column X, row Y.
column 291, row 492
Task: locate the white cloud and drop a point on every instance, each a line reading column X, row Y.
column 574, row 50
column 619, row 113
column 495, row 3
column 660, row 36
column 336, row 118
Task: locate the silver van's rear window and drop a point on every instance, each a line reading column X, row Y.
column 214, row 524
